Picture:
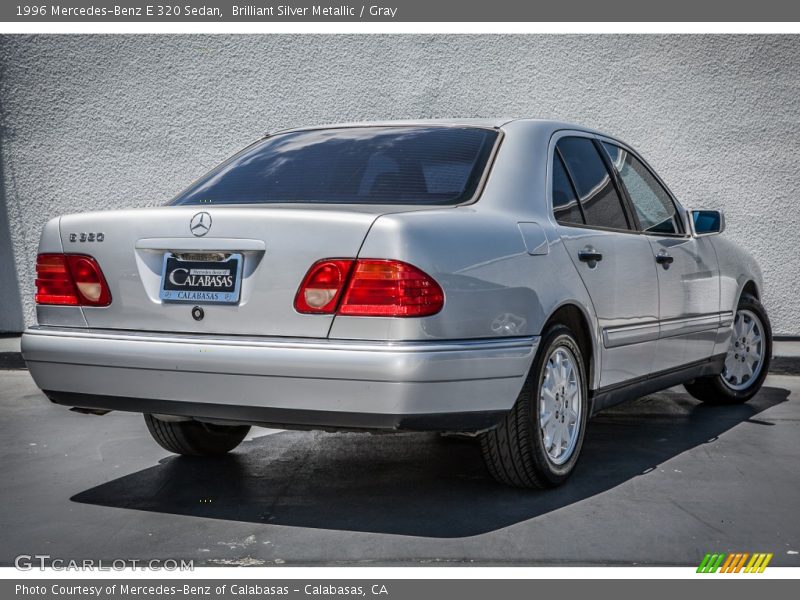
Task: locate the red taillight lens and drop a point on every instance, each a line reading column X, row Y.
column 92, row 287
column 53, row 281
column 70, row 279
column 320, row 291
column 390, row 288
column 368, row 288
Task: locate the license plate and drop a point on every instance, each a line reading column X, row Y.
column 201, row 281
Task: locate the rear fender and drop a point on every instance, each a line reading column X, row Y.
column 494, row 285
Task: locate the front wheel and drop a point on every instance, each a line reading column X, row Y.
column 746, row 361
column 193, row 438
column 538, row 443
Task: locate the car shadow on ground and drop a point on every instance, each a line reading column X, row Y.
column 414, row 483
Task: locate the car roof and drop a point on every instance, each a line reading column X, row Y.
column 496, row 123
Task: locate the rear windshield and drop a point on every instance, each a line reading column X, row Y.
column 359, row 165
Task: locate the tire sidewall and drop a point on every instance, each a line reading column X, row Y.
column 558, row 335
column 192, row 438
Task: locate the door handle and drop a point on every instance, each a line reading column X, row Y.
column 664, row 259
column 589, row 256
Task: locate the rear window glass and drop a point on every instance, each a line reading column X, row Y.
column 358, row 165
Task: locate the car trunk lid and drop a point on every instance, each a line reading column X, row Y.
column 277, row 243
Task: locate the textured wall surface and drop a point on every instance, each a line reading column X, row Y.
column 113, row 121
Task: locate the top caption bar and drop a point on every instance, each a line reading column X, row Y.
column 402, row 11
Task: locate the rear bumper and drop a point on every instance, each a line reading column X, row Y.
column 451, row 385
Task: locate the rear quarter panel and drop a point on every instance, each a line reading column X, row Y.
column 493, row 287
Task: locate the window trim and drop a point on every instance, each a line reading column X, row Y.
column 679, row 211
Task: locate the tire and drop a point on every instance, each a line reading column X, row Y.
column 192, row 438
column 516, row 451
column 728, row 387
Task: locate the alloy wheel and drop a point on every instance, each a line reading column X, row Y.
column 745, row 357
column 560, row 405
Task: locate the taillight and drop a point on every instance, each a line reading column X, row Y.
column 53, row 282
column 319, row 293
column 390, row 288
column 92, row 287
column 369, row 288
column 70, row 279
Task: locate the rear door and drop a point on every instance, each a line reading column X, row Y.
column 687, row 268
column 615, row 262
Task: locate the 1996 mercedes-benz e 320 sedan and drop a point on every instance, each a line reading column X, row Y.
column 505, row 278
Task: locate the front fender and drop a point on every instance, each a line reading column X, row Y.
column 737, row 268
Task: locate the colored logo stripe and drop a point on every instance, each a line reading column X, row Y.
column 758, row 563
column 710, row 563
column 734, row 563
column 704, row 563
column 727, row 565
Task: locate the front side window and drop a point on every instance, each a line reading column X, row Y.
column 652, row 203
column 600, row 203
column 356, row 165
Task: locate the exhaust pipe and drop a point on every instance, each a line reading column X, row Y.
column 90, row 411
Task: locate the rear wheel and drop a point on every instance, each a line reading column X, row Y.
column 192, row 438
column 746, row 362
column 538, row 443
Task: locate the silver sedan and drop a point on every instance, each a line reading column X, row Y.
column 505, row 278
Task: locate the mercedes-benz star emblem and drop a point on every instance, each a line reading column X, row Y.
column 200, row 224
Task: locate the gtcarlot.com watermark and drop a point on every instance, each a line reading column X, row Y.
column 42, row 562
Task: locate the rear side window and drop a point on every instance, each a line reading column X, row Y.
column 652, row 203
column 565, row 202
column 598, row 197
column 356, row 165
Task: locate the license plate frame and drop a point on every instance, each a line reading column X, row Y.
column 178, row 293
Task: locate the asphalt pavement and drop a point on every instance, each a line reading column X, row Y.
column 662, row 481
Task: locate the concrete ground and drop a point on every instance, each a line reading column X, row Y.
column 10, row 356
column 663, row 480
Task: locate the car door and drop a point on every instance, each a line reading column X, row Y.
column 688, row 273
column 614, row 261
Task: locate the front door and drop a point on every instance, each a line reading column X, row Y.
column 688, row 274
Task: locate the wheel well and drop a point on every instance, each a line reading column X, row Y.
column 572, row 317
column 750, row 288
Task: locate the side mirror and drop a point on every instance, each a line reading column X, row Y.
column 707, row 222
